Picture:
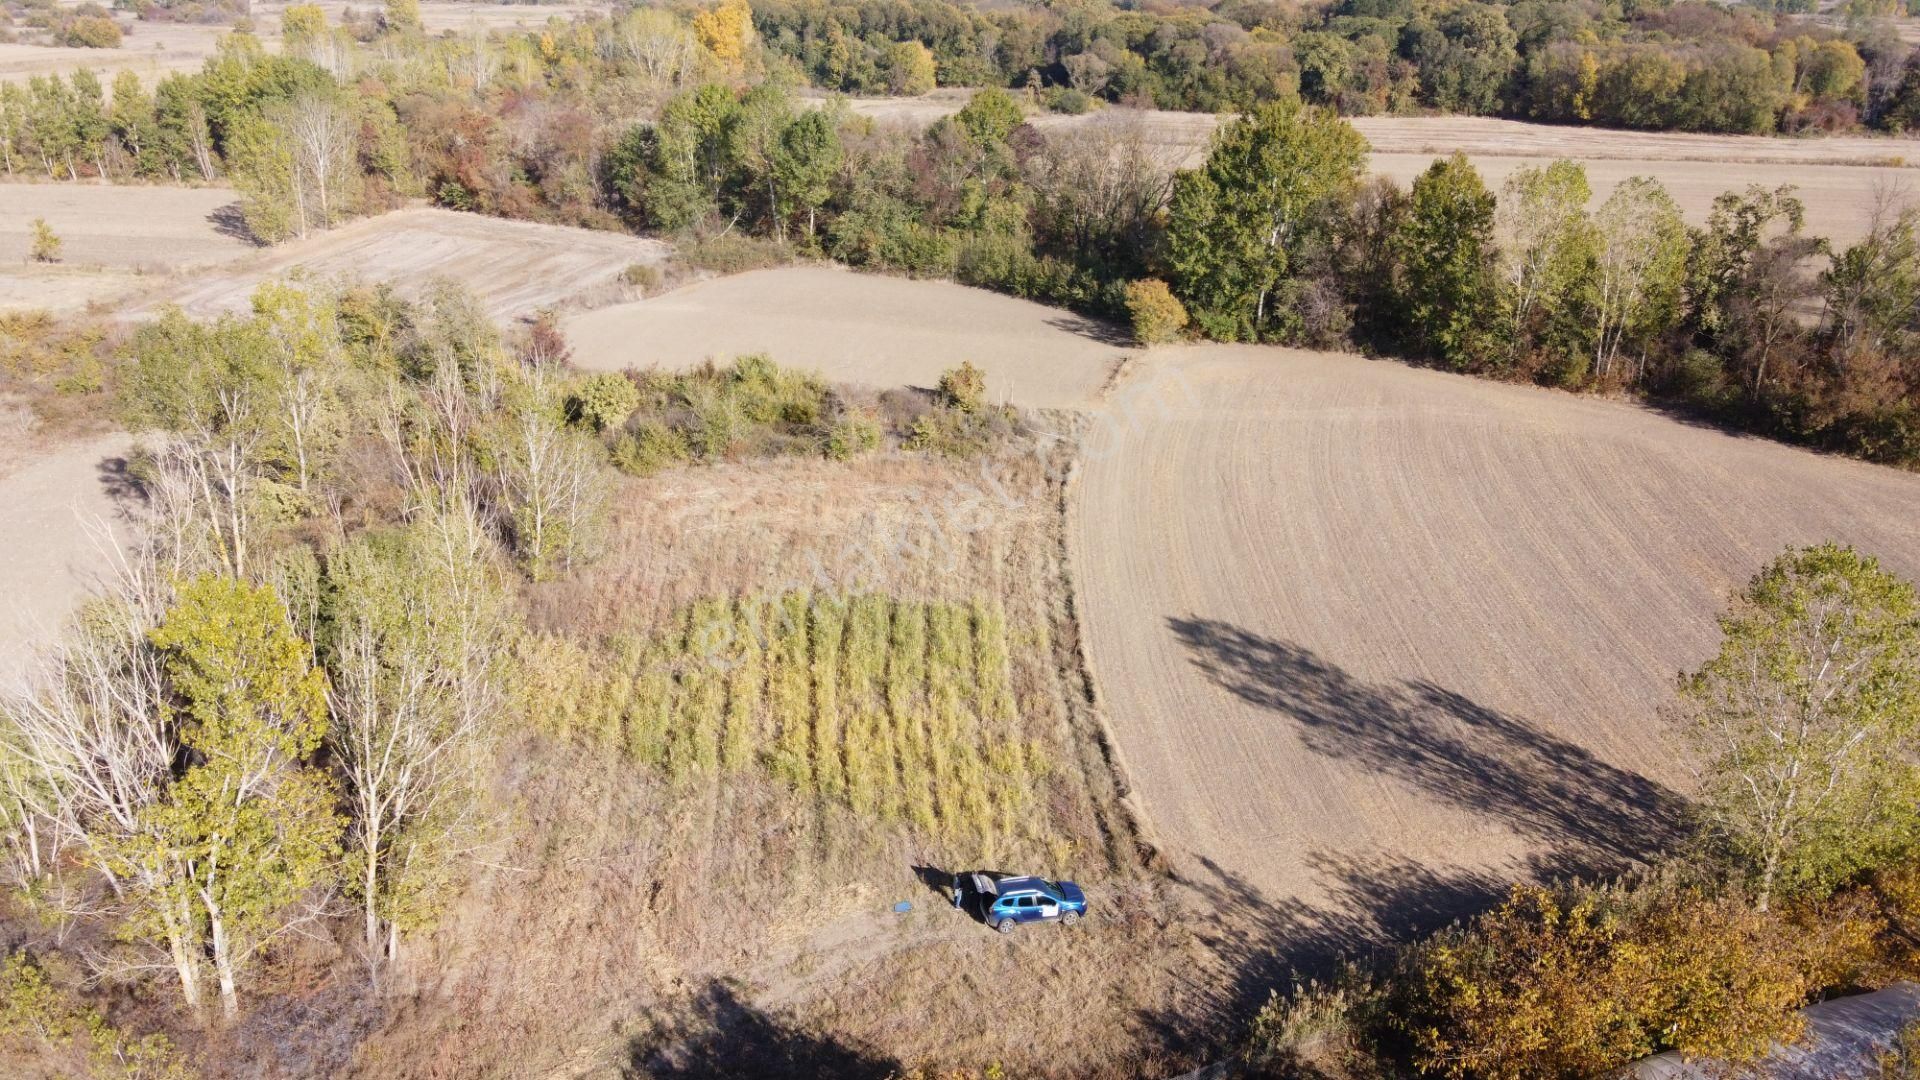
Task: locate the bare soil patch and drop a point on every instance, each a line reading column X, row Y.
column 514, row 267
column 55, row 502
column 1373, row 639
column 858, row 328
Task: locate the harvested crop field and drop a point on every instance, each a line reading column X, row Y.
column 58, row 499
column 1373, row 638
column 514, row 267
column 150, row 50
column 858, row 328
column 113, row 239
column 153, row 50
column 130, row 226
column 1839, row 177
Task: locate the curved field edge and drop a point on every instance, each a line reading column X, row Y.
column 1373, row 640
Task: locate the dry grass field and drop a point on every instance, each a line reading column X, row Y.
column 514, row 267
column 858, row 328
column 1839, row 177
column 1372, row 638
column 720, row 907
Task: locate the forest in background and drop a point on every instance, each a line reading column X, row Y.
column 688, row 123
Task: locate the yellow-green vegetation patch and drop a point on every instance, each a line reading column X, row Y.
column 901, row 711
column 897, row 709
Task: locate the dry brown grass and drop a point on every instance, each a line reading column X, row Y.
column 702, row 861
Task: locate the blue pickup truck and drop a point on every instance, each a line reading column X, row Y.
column 1005, row 902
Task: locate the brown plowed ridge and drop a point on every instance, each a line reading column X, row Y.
column 1347, row 614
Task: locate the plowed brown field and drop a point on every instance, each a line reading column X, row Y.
column 1347, row 614
column 513, row 267
column 857, row 328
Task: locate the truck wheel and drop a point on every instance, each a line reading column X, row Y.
column 1006, row 926
column 1070, row 918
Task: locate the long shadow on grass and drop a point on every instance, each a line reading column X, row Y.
column 1588, row 815
column 719, row 1035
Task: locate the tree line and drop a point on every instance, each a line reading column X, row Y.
column 1669, row 66
column 1749, row 318
column 1276, row 237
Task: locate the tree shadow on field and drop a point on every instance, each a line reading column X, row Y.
column 228, row 220
column 1264, row 944
column 1590, row 816
column 1105, row 333
column 121, row 484
column 719, row 1035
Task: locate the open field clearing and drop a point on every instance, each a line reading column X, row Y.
column 1347, row 613
column 130, row 227
column 150, row 50
column 1839, row 178
column 858, row 328
column 514, row 267
column 154, row 50
column 112, row 239
column 57, row 500
column 854, row 635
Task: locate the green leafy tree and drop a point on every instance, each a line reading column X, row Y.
column 1466, row 59
column 1640, row 273
column 402, row 17
column 910, row 68
column 46, row 243
column 419, row 624
column 91, row 126
column 605, row 400
column 990, row 115
column 1445, row 250
column 754, row 148
column 689, row 161
column 248, row 830
column 806, row 162
column 1271, row 179
column 1871, row 286
column 1802, row 726
column 1547, row 252
column 131, row 119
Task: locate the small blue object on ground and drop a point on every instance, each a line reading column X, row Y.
column 903, row 907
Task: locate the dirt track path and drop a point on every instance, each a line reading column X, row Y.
column 1366, row 633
